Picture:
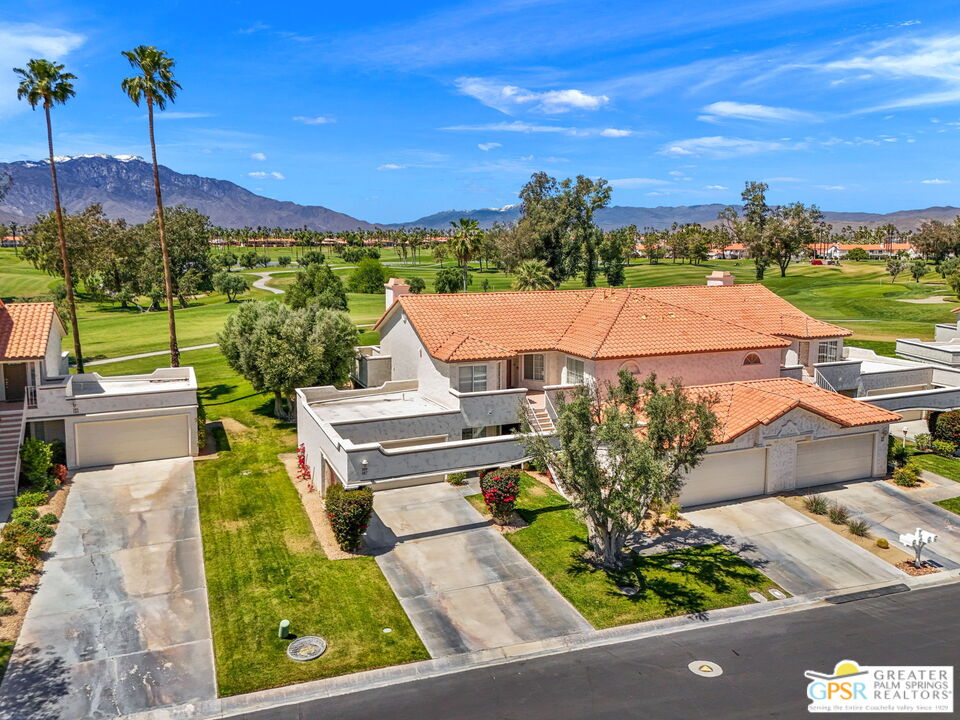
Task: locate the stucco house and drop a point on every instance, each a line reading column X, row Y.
column 101, row 420
column 446, row 386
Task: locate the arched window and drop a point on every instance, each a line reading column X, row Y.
column 751, row 359
column 631, row 367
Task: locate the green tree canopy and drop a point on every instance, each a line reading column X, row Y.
column 230, row 284
column 368, row 277
column 317, row 285
column 450, row 280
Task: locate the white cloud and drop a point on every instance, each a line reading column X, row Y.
column 391, row 166
column 716, row 187
column 318, row 120
column 489, row 146
column 935, row 181
column 260, row 174
column 718, row 146
column 832, row 187
column 19, row 43
column 175, row 115
column 746, row 111
column 258, row 156
column 519, row 126
column 635, row 182
column 507, row 98
column 677, row 173
column 616, row 132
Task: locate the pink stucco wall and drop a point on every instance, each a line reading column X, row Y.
column 698, row 369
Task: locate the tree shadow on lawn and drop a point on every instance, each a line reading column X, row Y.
column 212, row 392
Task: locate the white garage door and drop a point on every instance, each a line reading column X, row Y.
column 110, row 442
column 726, row 476
column 820, row 462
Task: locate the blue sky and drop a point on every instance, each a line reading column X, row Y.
column 389, row 111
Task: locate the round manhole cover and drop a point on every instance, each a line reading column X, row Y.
column 629, row 590
column 705, row 668
column 308, row 647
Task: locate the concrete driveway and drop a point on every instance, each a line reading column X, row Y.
column 892, row 511
column 119, row 623
column 464, row 587
column 794, row 551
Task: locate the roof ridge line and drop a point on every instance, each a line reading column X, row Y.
column 714, row 317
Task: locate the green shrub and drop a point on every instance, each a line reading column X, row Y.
column 201, row 424
column 13, row 573
column 25, row 538
column 58, row 452
column 24, row 513
column 860, row 528
column 40, row 528
column 417, row 285
column 673, row 511
column 369, row 277
column 883, row 543
column 943, row 448
column 32, row 498
column 8, row 551
column 459, row 478
column 897, row 453
column 36, row 456
column 6, row 608
column 922, row 441
column 349, row 512
column 500, row 489
column 838, row 514
column 907, row 476
column 59, row 473
column 816, row 504
column 947, row 427
column 49, row 519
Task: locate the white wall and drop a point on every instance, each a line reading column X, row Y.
column 51, row 358
column 411, row 361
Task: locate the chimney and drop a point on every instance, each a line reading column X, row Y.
column 719, row 277
column 395, row 287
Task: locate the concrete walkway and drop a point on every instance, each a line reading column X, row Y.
column 261, row 283
column 155, row 353
column 464, row 587
column 119, row 624
column 794, row 551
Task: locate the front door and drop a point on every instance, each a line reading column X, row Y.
column 14, row 381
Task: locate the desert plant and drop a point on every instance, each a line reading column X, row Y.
column 500, row 489
column 8, row 551
column 906, row 476
column 816, row 504
column 349, row 512
column 32, row 498
column 49, row 519
column 838, row 514
column 673, row 511
column 897, row 453
column 947, row 427
column 24, row 538
column 922, row 441
column 459, row 478
column 943, row 448
column 883, row 543
column 860, row 528
column 24, row 513
column 6, row 608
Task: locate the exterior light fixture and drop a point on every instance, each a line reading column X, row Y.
column 363, row 466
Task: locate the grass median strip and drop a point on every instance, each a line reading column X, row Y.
column 708, row 576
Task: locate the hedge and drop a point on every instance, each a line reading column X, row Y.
column 349, row 512
column 500, row 489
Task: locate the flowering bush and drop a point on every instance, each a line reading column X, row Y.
column 349, row 512
column 59, row 472
column 303, row 469
column 500, row 489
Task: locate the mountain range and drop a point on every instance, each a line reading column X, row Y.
column 123, row 185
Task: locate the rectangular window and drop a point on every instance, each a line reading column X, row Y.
column 533, row 367
column 574, row 371
column 479, row 432
column 828, row 351
column 472, row 378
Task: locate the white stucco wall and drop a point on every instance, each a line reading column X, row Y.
column 411, row 361
column 51, row 359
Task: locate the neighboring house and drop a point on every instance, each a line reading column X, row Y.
column 838, row 251
column 733, row 251
column 101, row 420
column 453, row 375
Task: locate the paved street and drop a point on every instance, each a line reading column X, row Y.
column 120, row 622
column 462, row 584
column 798, row 553
column 763, row 663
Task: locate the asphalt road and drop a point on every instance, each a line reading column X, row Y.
column 763, row 663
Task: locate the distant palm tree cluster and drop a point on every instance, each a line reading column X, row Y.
column 45, row 83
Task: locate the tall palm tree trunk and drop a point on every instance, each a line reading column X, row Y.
column 62, row 237
column 167, row 280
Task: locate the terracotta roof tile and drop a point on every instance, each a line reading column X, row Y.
column 743, row 405
column 24, row 330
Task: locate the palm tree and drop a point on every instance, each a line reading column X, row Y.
column 155, row 85
column 533, row 275
column 465, row 243
column 45, row 83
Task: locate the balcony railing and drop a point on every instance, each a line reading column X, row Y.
column 30, row 396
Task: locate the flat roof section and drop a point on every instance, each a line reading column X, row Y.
column 388, row 406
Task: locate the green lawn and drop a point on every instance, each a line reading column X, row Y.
column 711, row 577
column 952, row 504
column 943, row 466
column 19, row 279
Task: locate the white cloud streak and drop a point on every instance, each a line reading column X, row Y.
column 318, row 120
column 272, row 175
column 21, row 42
column 718, row 146
column 489, row 146
column 510, row 98
column 728, row 110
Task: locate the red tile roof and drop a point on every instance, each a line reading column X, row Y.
column 743, row 405
column 25, row 329
column 599, row 324
column 750, row 305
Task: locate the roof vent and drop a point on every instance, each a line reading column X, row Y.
column 720, row 277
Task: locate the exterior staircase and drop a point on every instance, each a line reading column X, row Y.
column 540, row 421
column 12, row 426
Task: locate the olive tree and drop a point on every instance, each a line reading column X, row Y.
column 278, row 348
column 230, row 284
column 611, row 465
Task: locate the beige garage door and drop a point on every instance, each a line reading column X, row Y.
column 110, row 442
column 820, row 462
column 726, row 476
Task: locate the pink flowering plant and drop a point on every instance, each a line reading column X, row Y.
column 500, row 489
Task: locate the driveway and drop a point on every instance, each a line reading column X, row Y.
column 464, row 587
column 119, row 623
column 892, row 511
column 794, row 551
